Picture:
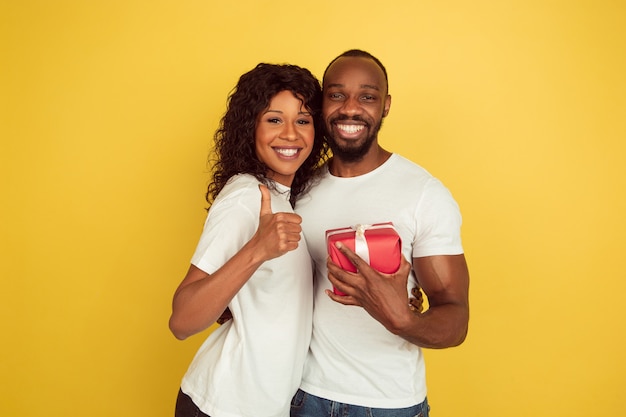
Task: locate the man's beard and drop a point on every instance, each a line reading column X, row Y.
column 353, row 153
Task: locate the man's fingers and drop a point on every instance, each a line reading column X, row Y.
column 352, row 257
column 340, row 279
column 266, row 200
column 405, row 268
column 342, row 299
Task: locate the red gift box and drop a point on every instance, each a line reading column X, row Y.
column 378, row 244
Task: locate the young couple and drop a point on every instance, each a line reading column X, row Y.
column 292, row 345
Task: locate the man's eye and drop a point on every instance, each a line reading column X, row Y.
column 335, row 96
column 369, row 98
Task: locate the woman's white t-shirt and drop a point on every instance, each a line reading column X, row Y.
column 252, row 365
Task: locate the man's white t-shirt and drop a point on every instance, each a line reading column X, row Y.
column 353, row 359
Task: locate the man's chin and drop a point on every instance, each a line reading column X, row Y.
column 350, row 154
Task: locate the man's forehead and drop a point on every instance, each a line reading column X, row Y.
column 355, row 69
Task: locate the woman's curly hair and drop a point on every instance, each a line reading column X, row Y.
column 234, row 149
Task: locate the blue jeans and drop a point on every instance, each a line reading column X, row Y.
column 304, row 404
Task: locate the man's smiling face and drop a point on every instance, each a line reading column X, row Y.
column 355, row 102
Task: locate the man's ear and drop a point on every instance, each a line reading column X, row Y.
column 387, row 105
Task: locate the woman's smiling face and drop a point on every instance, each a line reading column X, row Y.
column 284, row 136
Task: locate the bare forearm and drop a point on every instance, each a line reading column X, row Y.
column 202, row 298
column 445, row 281
column 439, row 327
column 198, row 304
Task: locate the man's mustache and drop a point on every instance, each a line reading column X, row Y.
column 352, row 118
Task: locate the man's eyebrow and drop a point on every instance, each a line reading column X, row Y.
column 362, row 86
column 369, row 86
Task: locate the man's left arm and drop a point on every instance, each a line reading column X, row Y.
column 445, row 281
column 443, row 278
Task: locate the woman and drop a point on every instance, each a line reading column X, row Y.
column 250, row 259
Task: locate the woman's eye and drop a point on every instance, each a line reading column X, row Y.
column 303, row 122
column 273, row 120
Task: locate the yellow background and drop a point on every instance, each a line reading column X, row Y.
column 107, row 113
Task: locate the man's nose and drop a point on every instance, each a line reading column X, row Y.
column 350, row 106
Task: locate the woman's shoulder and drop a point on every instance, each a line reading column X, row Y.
column 240, row 183
column 241, row 188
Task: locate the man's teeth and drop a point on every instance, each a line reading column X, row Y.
column 287, row 152
column 350, row 128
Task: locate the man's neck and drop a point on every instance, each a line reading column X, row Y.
column 372, row 160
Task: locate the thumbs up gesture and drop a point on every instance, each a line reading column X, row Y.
column 280, row 232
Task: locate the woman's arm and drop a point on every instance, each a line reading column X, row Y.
column 201, row 298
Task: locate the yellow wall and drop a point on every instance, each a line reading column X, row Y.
column 107, row 111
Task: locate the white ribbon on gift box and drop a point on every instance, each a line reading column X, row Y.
column 360, row 243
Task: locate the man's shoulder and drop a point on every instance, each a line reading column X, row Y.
column 407, row 168
column 398, row 159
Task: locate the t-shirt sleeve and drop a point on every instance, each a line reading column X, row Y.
column 438, row 222
column 229, row 225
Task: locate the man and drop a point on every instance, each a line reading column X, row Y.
column 365, row 356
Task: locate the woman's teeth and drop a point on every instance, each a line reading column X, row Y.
column 286, row 152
